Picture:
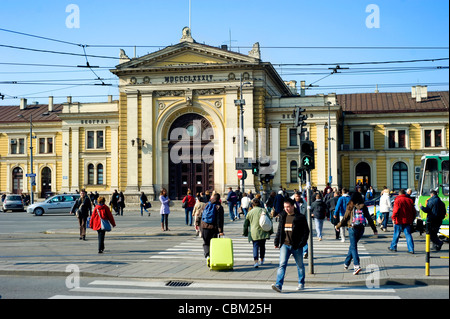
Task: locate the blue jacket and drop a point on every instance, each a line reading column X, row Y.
column 341, row 205
column 435, row 209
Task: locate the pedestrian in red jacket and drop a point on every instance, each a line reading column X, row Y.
column 101, row 211
column 403, row 216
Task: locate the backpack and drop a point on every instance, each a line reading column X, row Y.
column 209, row 214
column 358, row 217
column 264, row 221
column 441, row 210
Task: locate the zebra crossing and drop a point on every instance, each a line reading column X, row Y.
column 142, row 289
column 192, row 249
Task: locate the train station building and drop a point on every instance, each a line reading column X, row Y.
column 176, row 126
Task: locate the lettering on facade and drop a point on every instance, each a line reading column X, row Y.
column 188, row 78
column 94, row 121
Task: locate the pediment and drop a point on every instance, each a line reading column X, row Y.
column 185, row 54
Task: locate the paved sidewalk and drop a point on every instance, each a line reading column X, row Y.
column 379, row 267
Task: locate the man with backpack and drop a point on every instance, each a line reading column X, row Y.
column 212, row 222
column 436, row 212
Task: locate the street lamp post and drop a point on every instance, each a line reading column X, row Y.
column 241, row 103
column 32, row 178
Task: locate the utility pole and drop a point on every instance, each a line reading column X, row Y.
column 240, row 103
column 310, row 245
column 306, row 163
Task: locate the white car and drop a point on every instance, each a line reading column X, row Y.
column 56, row 204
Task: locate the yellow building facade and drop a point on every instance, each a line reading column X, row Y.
column 176, row 126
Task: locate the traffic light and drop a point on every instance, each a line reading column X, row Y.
column 255, row 168
column 299, row 117
column 307, row 155
column 300, row 173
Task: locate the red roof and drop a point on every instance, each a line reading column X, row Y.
column 366, row 103
column 10, row 114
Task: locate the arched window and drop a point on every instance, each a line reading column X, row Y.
column 294, row 173
column 90, row 174
column 100, row 174
column 400, row 176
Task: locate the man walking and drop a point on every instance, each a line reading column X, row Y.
column 292, row 235
column 82, row 209
column 403, row 216
column 436, row 212
column 232, row 202
column 212, row 223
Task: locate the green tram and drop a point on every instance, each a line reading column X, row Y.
column 434, row 175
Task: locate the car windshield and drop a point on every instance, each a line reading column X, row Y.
column 15, row 197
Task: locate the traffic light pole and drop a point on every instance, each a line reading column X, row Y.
column 310, row 244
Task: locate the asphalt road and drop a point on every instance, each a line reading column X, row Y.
column 23, row 238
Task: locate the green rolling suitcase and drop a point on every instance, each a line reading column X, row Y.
column 221, row 254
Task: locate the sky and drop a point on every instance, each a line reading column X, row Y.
column 296, row 36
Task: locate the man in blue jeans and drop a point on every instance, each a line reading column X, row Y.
column 292, row 235
column 232, row 202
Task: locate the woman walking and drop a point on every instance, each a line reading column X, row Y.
column 165, row 210
column 256, row 234
column 197, row 213
column 101, row 211
column 355, row 218
column 385, row 208
column 144, row 204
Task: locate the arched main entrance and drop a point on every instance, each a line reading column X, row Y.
column 362, row 174
column 17, row 180
column 191, row 154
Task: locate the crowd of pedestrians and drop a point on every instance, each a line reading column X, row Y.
column 204, row 211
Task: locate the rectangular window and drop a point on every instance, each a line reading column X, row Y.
column 42, row 145
column 437, row 138
column 17, row 146
column 50, row 145
column 361, row 140
column 433, row 138
column 90, row 139
column 391, row 137
column 95, row 140
column 356, row 140
column 99, row 139
column 427, row 138
column 293, row 137
column 366, row 136
column 402, row 138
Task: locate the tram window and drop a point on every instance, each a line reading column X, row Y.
column 445, row 178
column 431, row 178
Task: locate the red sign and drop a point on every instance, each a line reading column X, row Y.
column 242, row 174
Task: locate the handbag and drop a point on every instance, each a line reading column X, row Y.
column 104, row 224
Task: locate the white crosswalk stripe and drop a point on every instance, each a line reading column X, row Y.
column 243, row 250
column 123, row 289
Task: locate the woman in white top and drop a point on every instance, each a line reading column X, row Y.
column 385, row 207
column 245, row 203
